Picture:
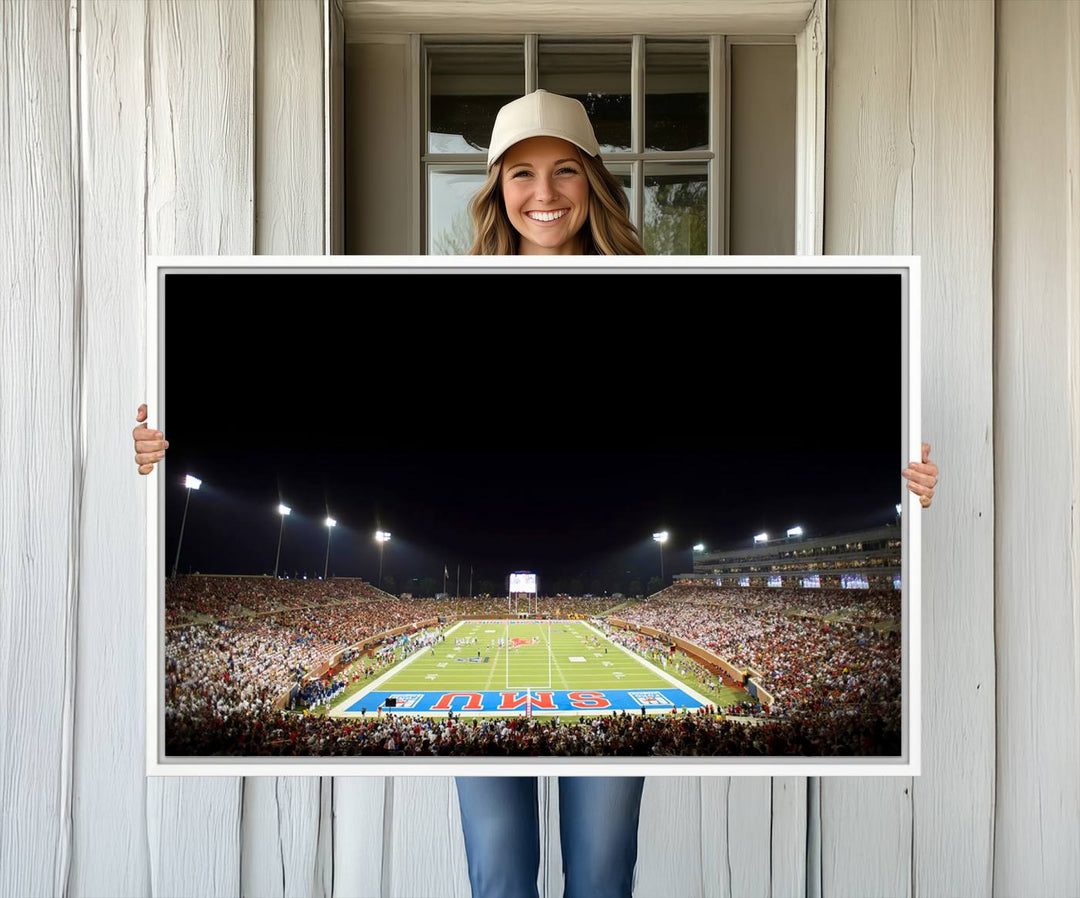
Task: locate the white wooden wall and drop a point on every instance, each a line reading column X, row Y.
column 198, row 127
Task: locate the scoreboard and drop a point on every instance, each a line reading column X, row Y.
column 522, row 581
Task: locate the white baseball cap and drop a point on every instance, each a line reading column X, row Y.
column 541, row 114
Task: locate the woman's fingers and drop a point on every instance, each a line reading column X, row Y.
column 920, row 489
column 926, row 479
column 922, row 477
column 150, row 445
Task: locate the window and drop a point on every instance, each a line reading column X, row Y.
column 661, row 109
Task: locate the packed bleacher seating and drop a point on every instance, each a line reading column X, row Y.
column 858, row 605
column 836, row 683
column 246, row 663
column 192, row 598
column 678, row 734
column 806, row 663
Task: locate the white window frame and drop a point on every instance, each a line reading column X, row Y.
column 809, row 40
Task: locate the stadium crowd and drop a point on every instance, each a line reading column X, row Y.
column 620, row 734
column 857, row 605
column 807, row 664
column 831, row 680
column 246, row 663
column 219, row 597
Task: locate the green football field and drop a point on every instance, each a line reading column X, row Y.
column 576, row 667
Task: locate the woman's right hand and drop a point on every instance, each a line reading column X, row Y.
column 150, row 445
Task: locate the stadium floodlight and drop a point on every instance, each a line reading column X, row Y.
column 330, row 525
column 382, row 537
column 794, row 531
column 761, row 538
column 661, row 538
column 190, row 483
column 699, row 547
column 284, row 511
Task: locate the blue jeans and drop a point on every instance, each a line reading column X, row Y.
column 598, row 821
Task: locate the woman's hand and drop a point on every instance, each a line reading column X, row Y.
column 922, row 477
column 150, row 445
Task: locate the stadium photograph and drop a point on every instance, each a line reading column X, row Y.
column 458, row 530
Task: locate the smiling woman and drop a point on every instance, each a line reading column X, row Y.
column 546, row 195
column 547, row 191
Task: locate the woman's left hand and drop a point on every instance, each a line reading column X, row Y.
column 922, row 477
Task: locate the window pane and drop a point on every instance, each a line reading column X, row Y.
column 597, row 74
column 468, row 84
column 623, row 174
column 676, row 209
column 676, row 95
column 449, row 191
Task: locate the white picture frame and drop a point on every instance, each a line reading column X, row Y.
column 907, row 764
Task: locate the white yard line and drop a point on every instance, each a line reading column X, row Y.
column 652, row 667
column 336, row 711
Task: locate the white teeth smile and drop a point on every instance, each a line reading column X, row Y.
column 546, row 216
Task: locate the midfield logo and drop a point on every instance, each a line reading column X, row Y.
column 651, row 699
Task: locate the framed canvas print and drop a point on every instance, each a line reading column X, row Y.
column 508, row 515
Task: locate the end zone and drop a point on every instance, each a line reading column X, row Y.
column 540, row 702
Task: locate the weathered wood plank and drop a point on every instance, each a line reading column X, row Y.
column 670, row 838
column 789, row 815
column 200, row 183
column 736, row 836
column 1037, row 450
column 869, row 156
column 199, row 201
column 425, row 822
column 359, row 814
column 280, row 838
column 193, row 828
column 41, row 449
column 111, row 855
column 551, row 874
column 952, row 132
column 289, row 131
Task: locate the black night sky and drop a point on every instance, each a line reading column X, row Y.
column 511, row 422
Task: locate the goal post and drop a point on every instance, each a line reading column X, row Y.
column 521, row 584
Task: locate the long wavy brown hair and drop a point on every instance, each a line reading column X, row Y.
column 607, row 231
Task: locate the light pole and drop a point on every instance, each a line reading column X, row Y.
column 330, row 524
column 284, row 511
column 192, row 483
column 661, row 538
column 382, row 537
column 695, row 550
